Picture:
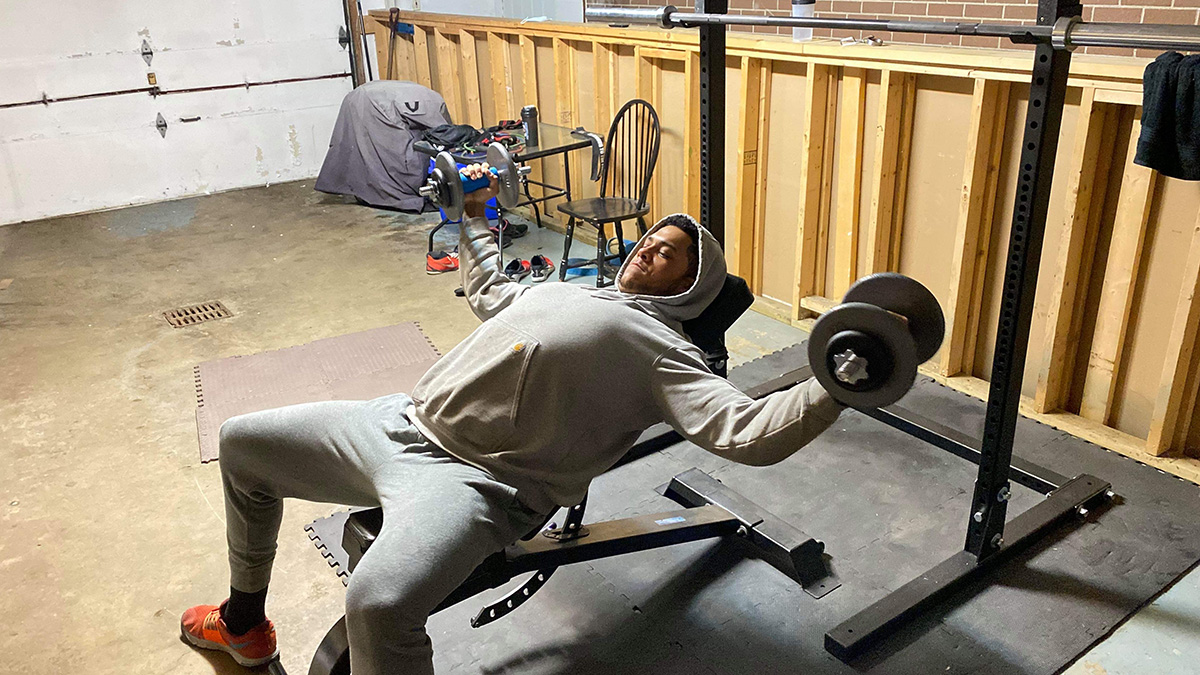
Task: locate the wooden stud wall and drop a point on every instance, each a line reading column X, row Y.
column 1115, row 239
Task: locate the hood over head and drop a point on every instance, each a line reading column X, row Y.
column 710, row 278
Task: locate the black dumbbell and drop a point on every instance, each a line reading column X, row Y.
column 865, row 351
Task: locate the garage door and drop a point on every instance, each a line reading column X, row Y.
column 109, row 104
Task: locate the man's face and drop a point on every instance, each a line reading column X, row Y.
column 660, row 266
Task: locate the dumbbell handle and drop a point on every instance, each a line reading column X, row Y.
column 472, row 184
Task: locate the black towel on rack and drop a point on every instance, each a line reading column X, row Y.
column 1170, row 139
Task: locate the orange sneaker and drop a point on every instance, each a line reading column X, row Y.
column 437, row 262
column 203, row 627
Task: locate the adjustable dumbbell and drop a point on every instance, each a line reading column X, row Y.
column 446, row 187
column 865, row 351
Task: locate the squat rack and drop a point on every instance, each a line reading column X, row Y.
column 1057, row 32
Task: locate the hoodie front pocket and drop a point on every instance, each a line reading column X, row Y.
column 474, row 392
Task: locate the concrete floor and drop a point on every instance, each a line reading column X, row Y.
column 111, row 526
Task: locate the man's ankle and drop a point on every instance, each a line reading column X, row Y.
column 244, row 611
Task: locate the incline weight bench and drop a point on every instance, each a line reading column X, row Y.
column 711, row 510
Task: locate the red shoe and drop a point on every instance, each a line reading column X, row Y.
column 437, row 262
column 203, row 627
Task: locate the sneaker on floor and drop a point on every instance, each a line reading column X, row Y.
column 511, row 230
column 437, row 262
column 508, row 241
column 540, row 267
column 203, row 627
column 517, row 269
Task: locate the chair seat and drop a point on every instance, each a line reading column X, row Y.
column 603, row 209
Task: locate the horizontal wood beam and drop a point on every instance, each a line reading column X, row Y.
column 1108, row 72
column 818, row 304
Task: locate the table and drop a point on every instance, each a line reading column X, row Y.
column 552, row 140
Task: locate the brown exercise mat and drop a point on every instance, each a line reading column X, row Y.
column 356, row 366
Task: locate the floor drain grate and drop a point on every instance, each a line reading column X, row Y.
column 194, row 314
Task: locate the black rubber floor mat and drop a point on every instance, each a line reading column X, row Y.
column 888, row 507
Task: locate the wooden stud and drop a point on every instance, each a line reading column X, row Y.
column 1187, row 409
column 1069, row 278
column 529, row 78
column 605, row 84
column 503, row 101
column 742, row 259
column 985, row 227
column 564, row 87
column 421, row 52
column 827, row 166
column 691, row 135
column 1181, row 349
column 406, row 48
column 643, row 81
column 614, row 88
column 849, row 192
column 760, row 198
column 470, row 78
column 449, row 76
column 529, row 92
column 647, row 80
column 974, row 217
column 657, row 208
column 403, row 61
column 381, row 51
column 902, row 160
column 883, row 177
column 1120, row 282
column 812, row 193
column 566, row 100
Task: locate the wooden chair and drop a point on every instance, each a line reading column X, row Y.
column 630, row 153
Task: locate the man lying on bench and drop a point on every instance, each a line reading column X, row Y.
column 548, row 393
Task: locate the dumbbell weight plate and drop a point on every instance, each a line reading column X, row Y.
column 449, row 185
column 506, row 173
column 888, row 380
column 909, row 298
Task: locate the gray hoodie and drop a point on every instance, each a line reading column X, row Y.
column 560, row 380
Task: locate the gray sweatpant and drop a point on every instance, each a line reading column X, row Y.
column 442, row 517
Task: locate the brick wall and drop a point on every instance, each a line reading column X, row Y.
column 1186, row 12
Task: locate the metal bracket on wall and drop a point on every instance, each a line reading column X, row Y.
column 343, row 37
column 161, row 124
column 147, row 52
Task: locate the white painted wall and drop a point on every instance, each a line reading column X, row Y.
column 77, row 156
